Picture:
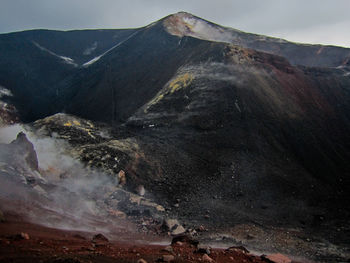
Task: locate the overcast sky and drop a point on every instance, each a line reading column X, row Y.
column 309, row 21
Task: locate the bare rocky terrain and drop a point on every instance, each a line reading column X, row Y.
column 182, row 127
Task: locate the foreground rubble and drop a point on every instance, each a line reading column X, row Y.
column 49, row 245
column 112, row 182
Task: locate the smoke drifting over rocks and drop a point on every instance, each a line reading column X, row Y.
column 64, row 194
column 51, row 152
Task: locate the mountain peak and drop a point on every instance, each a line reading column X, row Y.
column 185, row 24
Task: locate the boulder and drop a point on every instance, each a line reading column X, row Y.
column 24, row 236
column 206, row 258
column 21, row 236
column 23, row 147
column 160, row 208
column 184, row 239
column 238, row 248
column 173, row 226
column 203, row 249
column 201, row 228
column 117, row 213
column 99, row 238
column 167, row 258
column 121, row 177
column 168, row 249
column 141, row 190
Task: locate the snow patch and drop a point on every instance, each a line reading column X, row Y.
column 67, row 60
column 92, row 61
column 184, row 24
column 5, row 92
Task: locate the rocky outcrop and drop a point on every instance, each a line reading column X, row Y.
column 8, row 114
column 23, row 148
column 173, row 227
column 20, row 159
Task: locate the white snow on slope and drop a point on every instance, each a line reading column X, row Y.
column 92, row 61
column 5, row 92
column 184, row 24
column 65, row 59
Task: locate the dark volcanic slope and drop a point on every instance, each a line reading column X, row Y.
column 122, row 81
column 247, row 135
column 50, row 70
column 79, row 45
column 33, row 62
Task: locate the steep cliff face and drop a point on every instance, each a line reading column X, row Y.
column 20, row 153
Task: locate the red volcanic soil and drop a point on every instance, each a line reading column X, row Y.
column 42, row 244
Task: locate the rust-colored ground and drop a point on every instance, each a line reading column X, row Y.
column 53, row 245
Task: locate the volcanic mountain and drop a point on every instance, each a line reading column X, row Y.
column 223, row 127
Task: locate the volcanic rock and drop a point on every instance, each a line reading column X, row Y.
column 121, row 177
column 40, row 190
column 167, row 258
column 160, row 208
column 206, row 258
column 99, row 238
column 20, row 236
column 238, row 248
column 24, row 148
column 168, row 249
column 184, row 239
column 140, row 190
column 173, row 226
column 201, row 228
column 117, row 213
column 203, row 249
column 8, row 113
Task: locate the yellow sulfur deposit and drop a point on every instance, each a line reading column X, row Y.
column 181, row 81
